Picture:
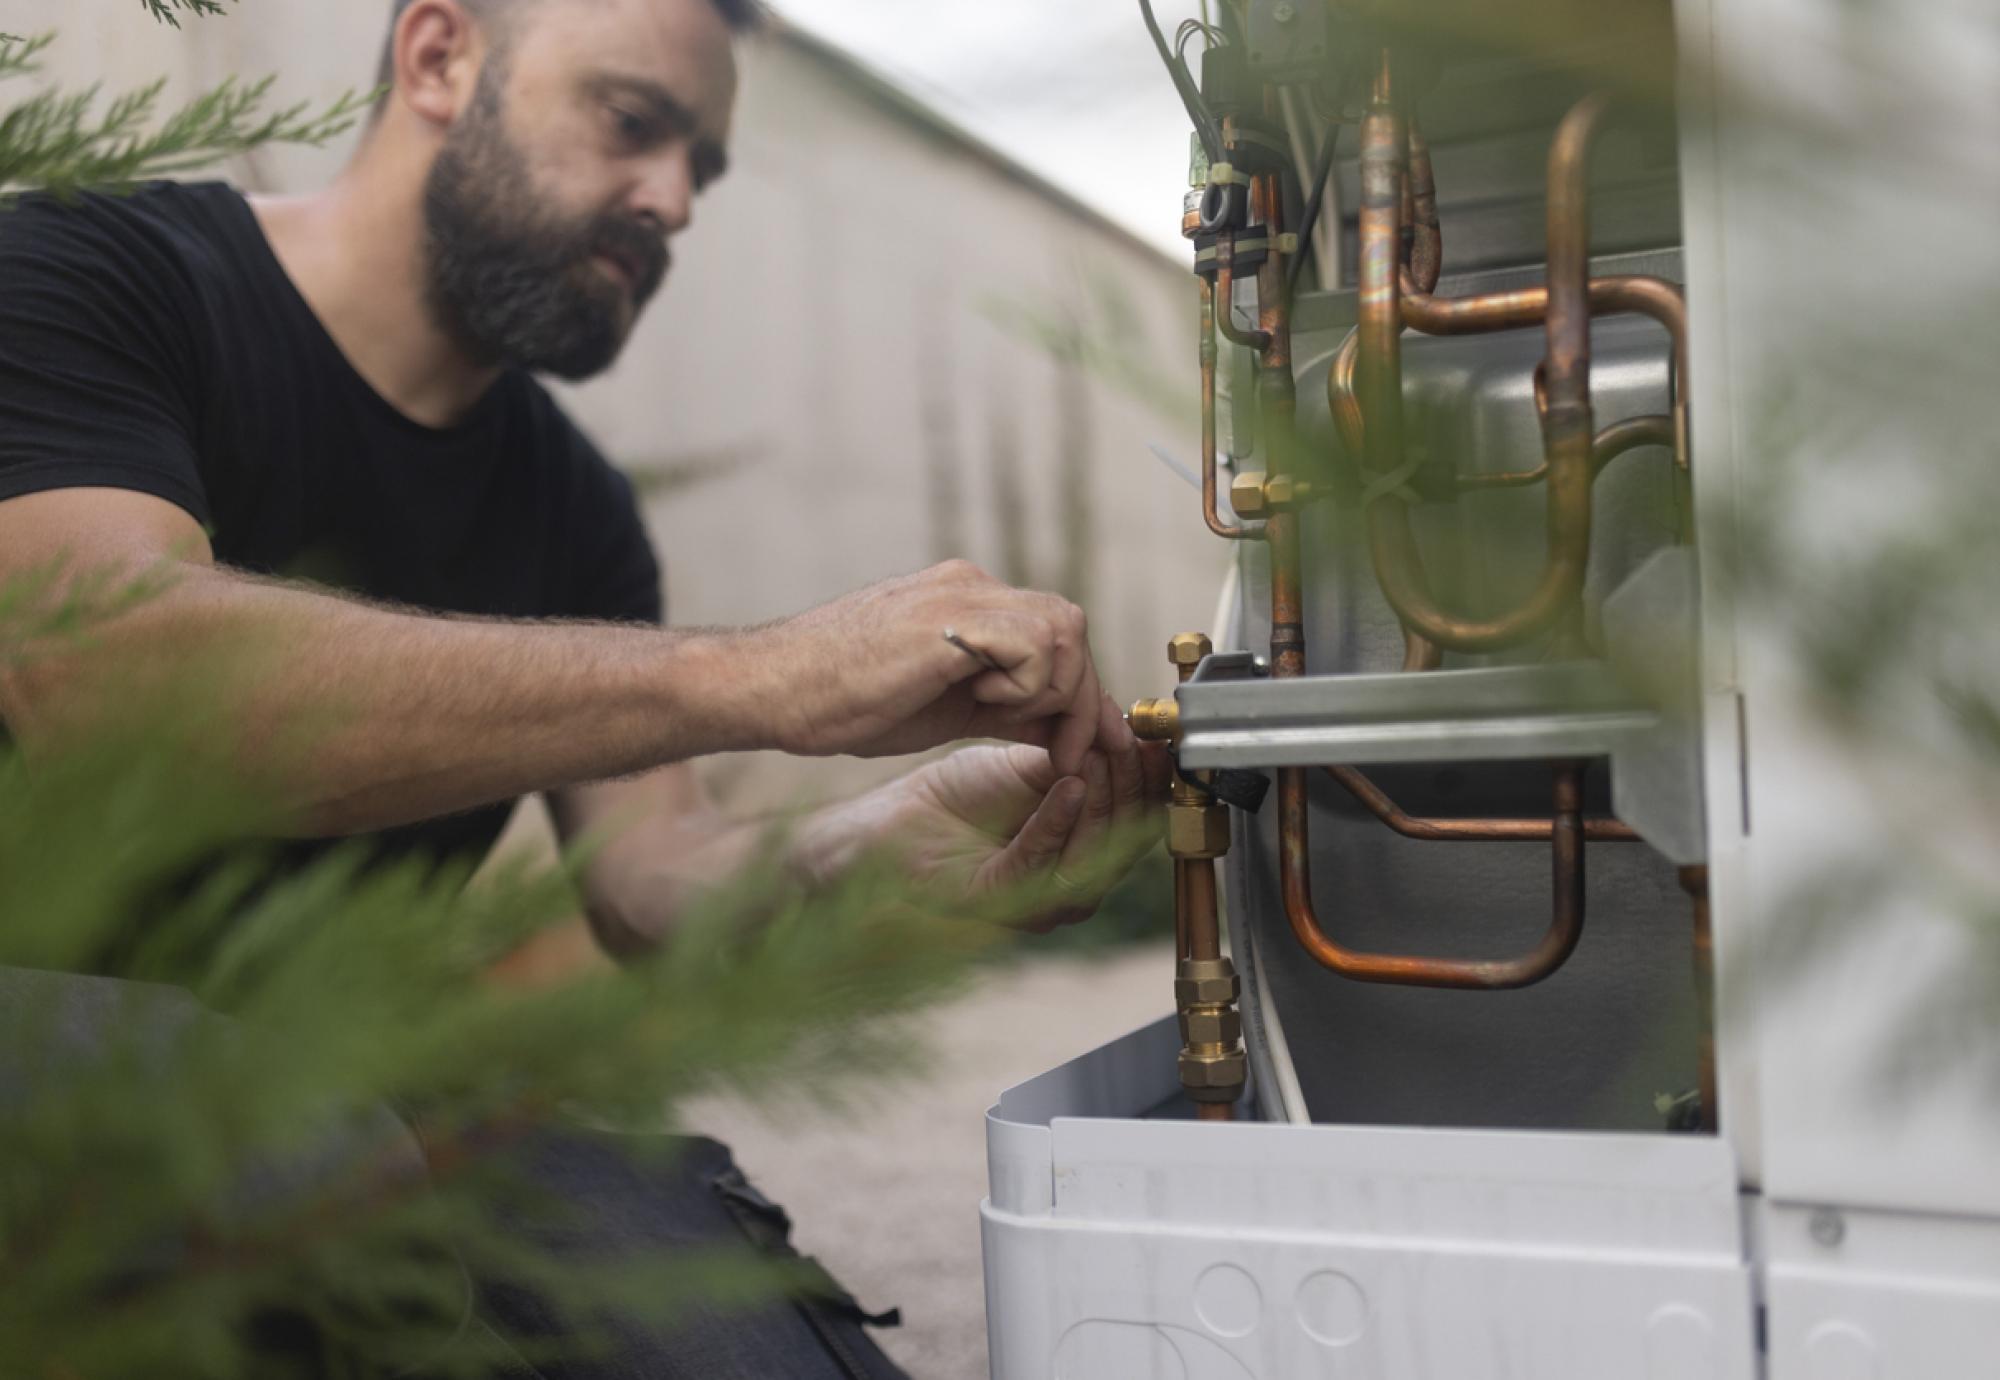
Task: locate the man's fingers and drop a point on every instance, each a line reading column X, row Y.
column 1128, row 776
column 1085, row 869
column 1078, row 727
column 1039, row 844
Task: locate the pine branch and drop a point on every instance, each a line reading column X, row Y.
column 163, row 10
column 66, row 142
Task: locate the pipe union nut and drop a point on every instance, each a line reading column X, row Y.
column 1246, row 494
column 1197, row 831
column 1206, row 980
column 1214, row 1077
column 1211, row 1025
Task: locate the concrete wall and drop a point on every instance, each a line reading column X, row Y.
column 849, row 373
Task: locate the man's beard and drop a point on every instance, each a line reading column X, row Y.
column 514, row 283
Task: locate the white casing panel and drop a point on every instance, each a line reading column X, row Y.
column 1256, row 1251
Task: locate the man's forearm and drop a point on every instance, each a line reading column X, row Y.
column 359, row 717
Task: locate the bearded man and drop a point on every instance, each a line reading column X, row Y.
column 318, row 413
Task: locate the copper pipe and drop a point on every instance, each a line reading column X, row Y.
column 1209, row 511
column 1694, row 880
column 1652, row 297
column 1557, row 943
column 1426, row 234
column 1225, row 296
column 1180, row 909
column 1419, row 654
column 1204, row 927
column 1610, row 443
column 1358, row 784
column 1567, row 424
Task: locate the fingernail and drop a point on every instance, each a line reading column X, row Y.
column 1073, row 790
column 1096, row 771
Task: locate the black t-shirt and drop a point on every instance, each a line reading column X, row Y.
column 152, row 341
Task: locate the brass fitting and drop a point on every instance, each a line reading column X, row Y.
column 1156, row 721
column 1186, row 650
column 1254, row 494
column 1214, row 1075
column 1211, row 1024
column 1213, row 1067
column 1206, row 980
column 1197, row 831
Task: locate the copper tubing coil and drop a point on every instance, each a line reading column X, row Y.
column 1209, row 510
column 1498, row 830
column 1566, row 836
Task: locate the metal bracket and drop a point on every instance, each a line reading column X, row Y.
column 1287, row 38
column 1637, row 709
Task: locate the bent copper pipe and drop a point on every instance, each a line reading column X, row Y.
column 1567, row 424
column 1498, row 830
column 1613, row 441
column 1210, row 512
column 1653, row 297
column 1225, row 303
column 1557, row 943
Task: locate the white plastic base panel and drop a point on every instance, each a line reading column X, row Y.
column 1125, row 1249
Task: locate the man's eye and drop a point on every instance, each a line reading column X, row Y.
column 631, row 129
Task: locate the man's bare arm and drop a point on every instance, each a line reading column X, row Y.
column 359, row 717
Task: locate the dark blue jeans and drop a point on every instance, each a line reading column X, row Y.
column 623, row 1199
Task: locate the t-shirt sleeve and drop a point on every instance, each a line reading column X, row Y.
column 95, row 349
column 616, row 575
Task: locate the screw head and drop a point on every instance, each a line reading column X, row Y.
column 1283, row 12
column 1827, row 1227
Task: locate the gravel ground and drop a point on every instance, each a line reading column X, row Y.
column 889, row 1200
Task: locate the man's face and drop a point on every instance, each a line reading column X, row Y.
column 549, row 207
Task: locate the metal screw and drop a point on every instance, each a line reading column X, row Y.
column 1283, row 12
column 1827, row 1227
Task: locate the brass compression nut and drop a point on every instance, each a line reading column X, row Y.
column 1254, row 494
column 1197, row 831
column 1211, row 1025
column 1206, row 980
column 1187, row 649
column 1214, row 1076
column 1156, row 721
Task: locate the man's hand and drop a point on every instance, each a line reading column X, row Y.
column 994, row 823
column 871, row 674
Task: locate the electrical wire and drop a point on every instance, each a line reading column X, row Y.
column 1190, row 94
column 1321, row 173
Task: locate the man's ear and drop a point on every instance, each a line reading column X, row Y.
column 436, row 53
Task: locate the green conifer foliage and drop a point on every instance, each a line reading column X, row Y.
column 220, row 1153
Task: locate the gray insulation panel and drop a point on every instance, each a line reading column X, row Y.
column 1593, row 1045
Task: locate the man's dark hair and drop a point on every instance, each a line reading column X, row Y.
column 742, row 16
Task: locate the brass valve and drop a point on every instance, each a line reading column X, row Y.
column 1254, row 494
column 1155, row 721
column 1213, row 1067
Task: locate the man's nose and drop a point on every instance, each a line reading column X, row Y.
column 666, row 193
